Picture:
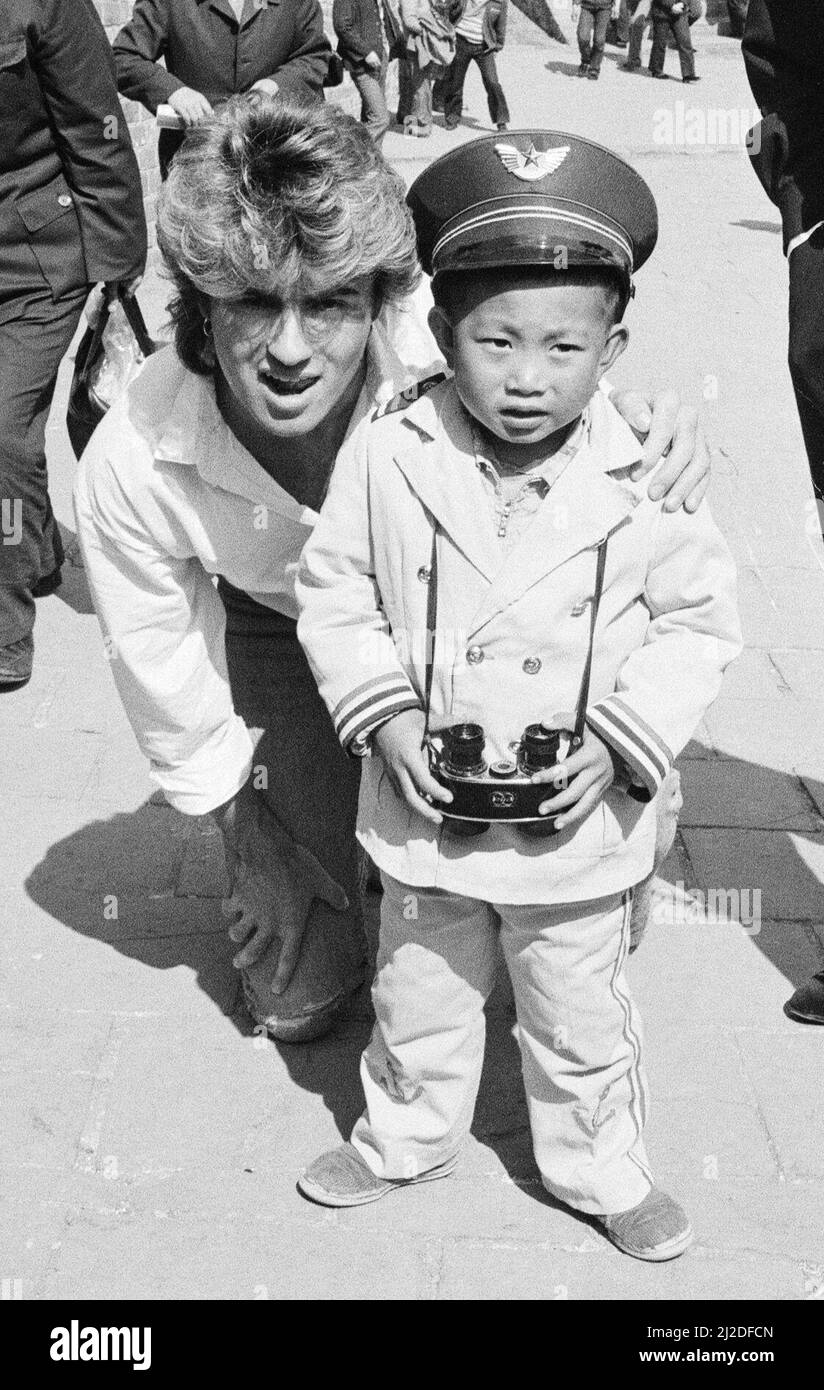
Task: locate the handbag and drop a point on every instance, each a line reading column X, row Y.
column 86, row 407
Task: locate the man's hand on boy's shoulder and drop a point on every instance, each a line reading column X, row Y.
column 400, row 744
column 673, row 432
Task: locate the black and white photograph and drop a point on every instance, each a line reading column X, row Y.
column 412, row 665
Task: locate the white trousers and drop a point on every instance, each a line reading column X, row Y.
column 579, row 1035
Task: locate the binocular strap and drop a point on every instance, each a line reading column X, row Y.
column 431, row 629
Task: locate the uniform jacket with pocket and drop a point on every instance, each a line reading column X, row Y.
column 71, row 204
column 204, row 47
column 512, row 635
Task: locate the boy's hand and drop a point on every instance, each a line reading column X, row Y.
column 583, row 778
column 675, row 430
column 399, row 742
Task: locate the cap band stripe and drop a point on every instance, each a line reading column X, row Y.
column 517, row 212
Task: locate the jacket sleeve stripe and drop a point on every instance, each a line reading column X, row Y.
column 376, row 717
column 652, row 739
column 385, row 682
column 645, row 761
column 354, row 718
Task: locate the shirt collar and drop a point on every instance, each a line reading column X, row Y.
column 549, row 471
column 195, row 433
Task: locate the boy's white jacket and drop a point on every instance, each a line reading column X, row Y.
column 513, row 632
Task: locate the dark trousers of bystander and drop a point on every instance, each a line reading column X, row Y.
column 806, row 351
column 453, row 83
column 35, row 334
column 679, row 26
column 371, row 86
column 592, row 34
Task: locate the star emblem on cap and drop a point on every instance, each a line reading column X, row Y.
column 534, row 164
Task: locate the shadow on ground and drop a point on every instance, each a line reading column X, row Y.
column 166, row 873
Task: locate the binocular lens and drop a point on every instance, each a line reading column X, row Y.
column 539, row 748
column 464, row 750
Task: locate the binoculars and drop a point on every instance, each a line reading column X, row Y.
column 484, row 792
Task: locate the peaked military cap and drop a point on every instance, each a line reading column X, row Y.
column 531, row 198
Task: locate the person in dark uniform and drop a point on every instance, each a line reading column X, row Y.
column 71, row 215
column 672, row 17
column 784, row 56
column 215, row 49
column 358, row 25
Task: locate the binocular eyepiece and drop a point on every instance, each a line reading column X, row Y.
column 464, row 744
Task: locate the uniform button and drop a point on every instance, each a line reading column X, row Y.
column 532, row 665
column 580, row 608
column 424, row 574
column 64, row 200
column 474, row 655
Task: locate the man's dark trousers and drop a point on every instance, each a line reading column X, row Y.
column 806, row 351
column 34, row 337
column 453, row 84
column 679, row 26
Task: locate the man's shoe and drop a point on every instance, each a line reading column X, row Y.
column 502, row 125
column 661, row 76
column 341, row 1178
column 657, row 1229
column 695, row 78
column 630, row 67
column 451, row 125
column 593, row 74
column 583, row 69
column 807, row 1004
column 16, row 661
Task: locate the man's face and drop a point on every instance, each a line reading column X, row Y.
column 287, row 361
column 528, row 353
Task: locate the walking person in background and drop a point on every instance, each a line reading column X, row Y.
column 430, row 50
column 71, row 215
column 672, row 17
column 593, row 19
column 217, row 50
column 358, row 25
column 638, row 23
column 480, row 30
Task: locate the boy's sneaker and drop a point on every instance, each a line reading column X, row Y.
column 341, row 1178
column 657, row 1229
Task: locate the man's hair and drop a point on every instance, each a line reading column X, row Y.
column 271, row 196
column 450, row 287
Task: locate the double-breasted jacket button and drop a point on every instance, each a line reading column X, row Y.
column 424, row 574
column 474, row 655
column 64, row 200
column 532, row 665
column 580, row 608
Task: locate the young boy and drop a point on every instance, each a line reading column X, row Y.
column 483, row 557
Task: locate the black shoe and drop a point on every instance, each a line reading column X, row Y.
column 583, row 69
column 630, row 67
column 452, row 125
column 662, row 76
column 502, row 125
column 48, row 584
column 694, row 78
column 807, row 1004
column 593, row 74
column 16, row 662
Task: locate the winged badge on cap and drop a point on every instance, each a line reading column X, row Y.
column 535, row 164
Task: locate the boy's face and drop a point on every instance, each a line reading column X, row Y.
column 527, row 353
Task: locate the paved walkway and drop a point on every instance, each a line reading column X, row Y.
column 150, row 1142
